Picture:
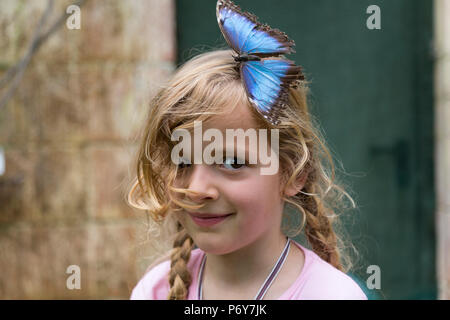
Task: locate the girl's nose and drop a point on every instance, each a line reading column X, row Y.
column 202, row 183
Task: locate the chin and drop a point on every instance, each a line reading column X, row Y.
column 217, row 247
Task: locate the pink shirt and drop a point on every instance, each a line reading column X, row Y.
column 318, row 280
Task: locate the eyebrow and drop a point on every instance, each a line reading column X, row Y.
column 245, row 151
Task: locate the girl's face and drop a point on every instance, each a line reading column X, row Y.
column 253, row 199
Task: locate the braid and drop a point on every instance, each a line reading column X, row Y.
column 179, row 275
column 319, row 230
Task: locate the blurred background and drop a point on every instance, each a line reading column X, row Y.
column 73, row 97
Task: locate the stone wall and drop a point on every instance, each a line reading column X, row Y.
column 442, row 143
column 67, row 136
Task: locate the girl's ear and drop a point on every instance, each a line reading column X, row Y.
column 296, row 186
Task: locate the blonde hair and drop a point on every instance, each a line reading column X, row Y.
column 199, row 89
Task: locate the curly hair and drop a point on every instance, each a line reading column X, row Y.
column 201, row 88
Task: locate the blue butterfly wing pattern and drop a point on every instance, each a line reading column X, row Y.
column 245, row 34
column 266, row 80
column 266, row 83
column 235, row 27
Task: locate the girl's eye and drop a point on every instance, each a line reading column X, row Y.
column 228, row 163
column 232, row 163
column 184, row 164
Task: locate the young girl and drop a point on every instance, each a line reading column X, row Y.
column 230, row 203
column 228, row 240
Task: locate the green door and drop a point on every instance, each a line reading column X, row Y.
column 372, row 94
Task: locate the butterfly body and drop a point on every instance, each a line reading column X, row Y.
column 244, row 57
column 267, row 76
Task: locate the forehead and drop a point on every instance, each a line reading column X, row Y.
column 239, row 117
column 238, row 130
column 242, row 126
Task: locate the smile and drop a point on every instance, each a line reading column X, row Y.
column 208, row 220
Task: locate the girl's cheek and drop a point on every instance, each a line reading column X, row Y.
column 181, row 218
column 245, row 195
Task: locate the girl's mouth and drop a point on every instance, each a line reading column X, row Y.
column 208, row 221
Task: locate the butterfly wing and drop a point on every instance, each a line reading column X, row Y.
column 267, row 83
column 245, row 34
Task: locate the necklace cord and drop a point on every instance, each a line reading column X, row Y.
column 267, row 283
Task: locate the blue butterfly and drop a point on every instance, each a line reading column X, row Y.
column 267, row 80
